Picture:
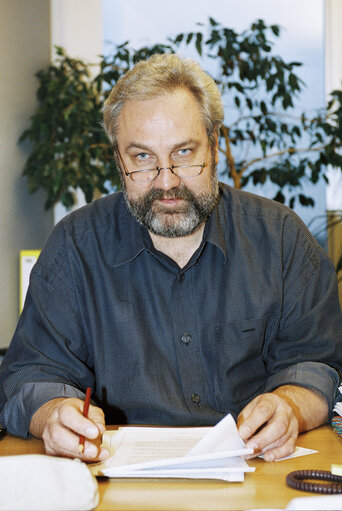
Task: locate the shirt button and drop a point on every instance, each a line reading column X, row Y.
column 181, row 277
column 186, row 338
column 196, row 399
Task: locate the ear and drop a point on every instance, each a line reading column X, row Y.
column 216, row 150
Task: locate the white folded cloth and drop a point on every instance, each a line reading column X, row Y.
column 46, row 483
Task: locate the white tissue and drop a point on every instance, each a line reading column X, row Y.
column 45, row 483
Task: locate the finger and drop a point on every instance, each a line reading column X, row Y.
column 272, row 449
column 104, row 453
column 70, row 414
column 276, row 428
column 284, row 445
column 59, row 440
column 64, row 442
column 67, row 423
column 287, row 441
column 281, row 452
column 96, row 415
column 261, row 411
column 91, row 452
column 278, row 443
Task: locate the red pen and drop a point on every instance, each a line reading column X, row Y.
column 85, row 414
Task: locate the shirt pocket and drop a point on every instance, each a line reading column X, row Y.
column 240, row 371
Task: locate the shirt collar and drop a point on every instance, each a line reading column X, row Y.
column 130, row 239
column 216, row 229
column 133, row 236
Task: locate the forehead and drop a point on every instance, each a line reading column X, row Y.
column 165, row 119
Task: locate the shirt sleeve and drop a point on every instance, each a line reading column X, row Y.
column 50, row 354
column 17, row 413
column 307, row 350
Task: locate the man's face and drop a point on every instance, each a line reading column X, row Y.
column 160, row 132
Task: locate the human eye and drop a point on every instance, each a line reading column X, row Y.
column 143, row 159
column 183, row 155
column 184, row 152
column 142, row 156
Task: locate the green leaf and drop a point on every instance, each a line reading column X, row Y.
column 123, row 45
column 199, row 38
column 279, row 197
column 275, row 29
column 305, row 201
column 189, row 38
column 263, row 107
column 249, row 103
column 293, row 82
column 212, row 22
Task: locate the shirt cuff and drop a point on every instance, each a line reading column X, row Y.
column 18, row 411
column 312, row 375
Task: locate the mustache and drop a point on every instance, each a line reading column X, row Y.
column 179, row 192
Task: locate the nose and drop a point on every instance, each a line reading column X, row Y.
column 166, row 179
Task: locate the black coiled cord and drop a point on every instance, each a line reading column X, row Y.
column 298, row 481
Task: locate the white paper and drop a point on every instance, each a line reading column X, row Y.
column 299, row 451
column 338, row 405
column 136, row 445
column 214, row 452
column 338, row 408
column 223, row 437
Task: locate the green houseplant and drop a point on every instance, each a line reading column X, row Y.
column 69, row 149
column 262, row 140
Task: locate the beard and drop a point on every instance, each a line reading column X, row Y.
column 180, row 221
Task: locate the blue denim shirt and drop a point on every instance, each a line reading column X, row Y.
column 256, row 307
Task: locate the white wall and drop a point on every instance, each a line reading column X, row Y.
column 76, row 25
column 24, row 49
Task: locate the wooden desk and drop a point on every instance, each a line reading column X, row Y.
column 265, row 488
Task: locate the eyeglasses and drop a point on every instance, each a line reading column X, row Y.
column 183, row 171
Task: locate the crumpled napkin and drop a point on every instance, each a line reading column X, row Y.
column 37, row 482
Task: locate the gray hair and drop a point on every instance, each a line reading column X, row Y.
column 156, row 76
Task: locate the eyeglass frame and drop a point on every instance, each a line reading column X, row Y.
column 158, row 169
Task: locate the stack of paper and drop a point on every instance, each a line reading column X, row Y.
column 196, row 453
column 338, row 405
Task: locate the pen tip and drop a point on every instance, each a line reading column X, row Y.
column 80, row 449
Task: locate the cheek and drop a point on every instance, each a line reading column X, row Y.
column 205, row 185
column 134, row 190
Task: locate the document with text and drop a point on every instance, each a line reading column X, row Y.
column 163, row 452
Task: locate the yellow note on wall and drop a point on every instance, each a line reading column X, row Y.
column 27, row 261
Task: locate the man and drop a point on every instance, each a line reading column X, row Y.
column 179, row 300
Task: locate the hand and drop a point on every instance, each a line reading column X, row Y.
column 269, row 426
column 60, row 422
